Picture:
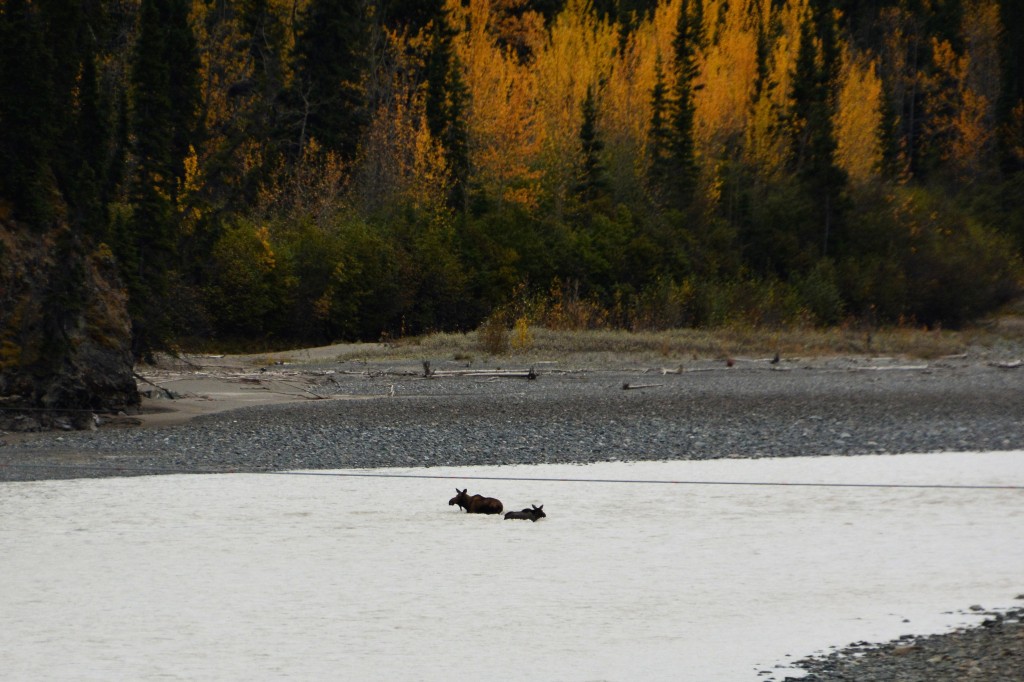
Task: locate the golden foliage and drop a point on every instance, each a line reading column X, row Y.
column 578, row 54
column 766, row 139
column 858, row 118
column 504, row 135
column 727, row 79
column 522, row 337
column 401, row 165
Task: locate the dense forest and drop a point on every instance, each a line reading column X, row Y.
column 315, row 170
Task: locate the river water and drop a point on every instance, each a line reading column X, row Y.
column 326, row 577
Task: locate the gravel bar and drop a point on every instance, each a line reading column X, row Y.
column 387, row 420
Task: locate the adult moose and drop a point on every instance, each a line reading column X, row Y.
column 531, row 514
column 476, row 504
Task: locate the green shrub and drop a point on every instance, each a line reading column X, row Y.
column 819, row 291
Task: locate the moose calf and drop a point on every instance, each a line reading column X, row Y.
column 531, row 514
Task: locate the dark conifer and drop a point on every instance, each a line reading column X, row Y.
column 26, row 113
column 330, row 62
column 689, row 39
column 679, row 182
column 659, row 138
column 447, row 101
column 593, row 178
column 164, row 85
column 455, row 136
column 814, row 94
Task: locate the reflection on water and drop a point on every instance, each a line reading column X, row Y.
column 241, row 577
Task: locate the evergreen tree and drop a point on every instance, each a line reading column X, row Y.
column 265, row 41
column 893, row 162
column 455, row 136
column 659, row 138
column 593, row 178
column 330, row 61
column 813, row 154
column 183, row 86
column 447, row 101
column 165, row 88
column 1011, row 99
column 76, row 123
column 689, row 39
column 438, row 68
column 91, row 137
column 674, row 170
column 26, row 113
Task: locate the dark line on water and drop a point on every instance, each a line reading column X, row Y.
column 528, row 479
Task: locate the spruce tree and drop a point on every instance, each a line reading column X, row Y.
column 674, row 171
column 1010, row 109
column 689, row 39
column 330, row 62
column 264, row 41
column 813, row 154
column 438, row 66
column 165, row 94
column 593, row 182
column 91, row 136
column 455, row 136
column 26, row 113
column 446, row 104
column 659, row 138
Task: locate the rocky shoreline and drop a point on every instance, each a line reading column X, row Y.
column 991, row 652
column 361, row 415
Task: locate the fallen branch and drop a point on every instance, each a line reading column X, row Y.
column 311, row 394
column 493, row 373
column 629, row 387
column 166, row 392
column 1008, row 365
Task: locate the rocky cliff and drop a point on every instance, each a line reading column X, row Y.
column 65, row 334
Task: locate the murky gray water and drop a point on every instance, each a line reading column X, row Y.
column 248, row 577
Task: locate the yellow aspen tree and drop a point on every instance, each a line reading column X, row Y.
column 626, row 116
column 578, row 54
column 728, row 76
column 504, row 138
column 315, row 185
column 766, row 140
column 960, row 126
column 401, row 165
column 976, row 120
column 858, row 118
column 516, row 28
